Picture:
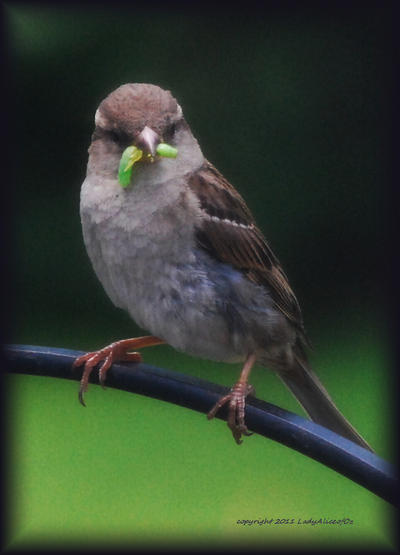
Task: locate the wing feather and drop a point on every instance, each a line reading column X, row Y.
column 229, row 234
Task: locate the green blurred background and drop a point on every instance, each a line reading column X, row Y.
column 293, row 106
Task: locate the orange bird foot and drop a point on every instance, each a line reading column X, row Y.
column 236, row 410
column 116, row 352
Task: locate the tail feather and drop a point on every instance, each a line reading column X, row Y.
column 316, row 401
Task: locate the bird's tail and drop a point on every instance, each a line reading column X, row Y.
column 316, row 401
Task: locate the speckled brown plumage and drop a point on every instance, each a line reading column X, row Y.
column 230, row 235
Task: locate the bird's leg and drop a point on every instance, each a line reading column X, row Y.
column 237, row 402
column 118, row 351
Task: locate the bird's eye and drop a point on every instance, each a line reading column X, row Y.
column 169, row 132
column 118, row 137
column 114, row 136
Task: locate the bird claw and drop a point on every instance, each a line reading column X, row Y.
column 236, row 411
column 110, row 354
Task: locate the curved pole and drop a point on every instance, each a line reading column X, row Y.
column 317, row 442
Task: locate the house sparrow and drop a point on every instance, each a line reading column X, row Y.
column 180, row 251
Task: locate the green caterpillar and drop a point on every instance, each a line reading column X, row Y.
column 132, row 154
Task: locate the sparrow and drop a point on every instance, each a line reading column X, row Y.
column 179, row 250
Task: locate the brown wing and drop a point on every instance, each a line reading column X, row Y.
column 230, row 235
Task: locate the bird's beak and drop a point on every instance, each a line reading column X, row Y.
column 148, row 140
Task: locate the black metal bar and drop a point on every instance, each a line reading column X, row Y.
column 332, row 450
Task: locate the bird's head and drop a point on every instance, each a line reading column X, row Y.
column 141, row 116
column 137, row 124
